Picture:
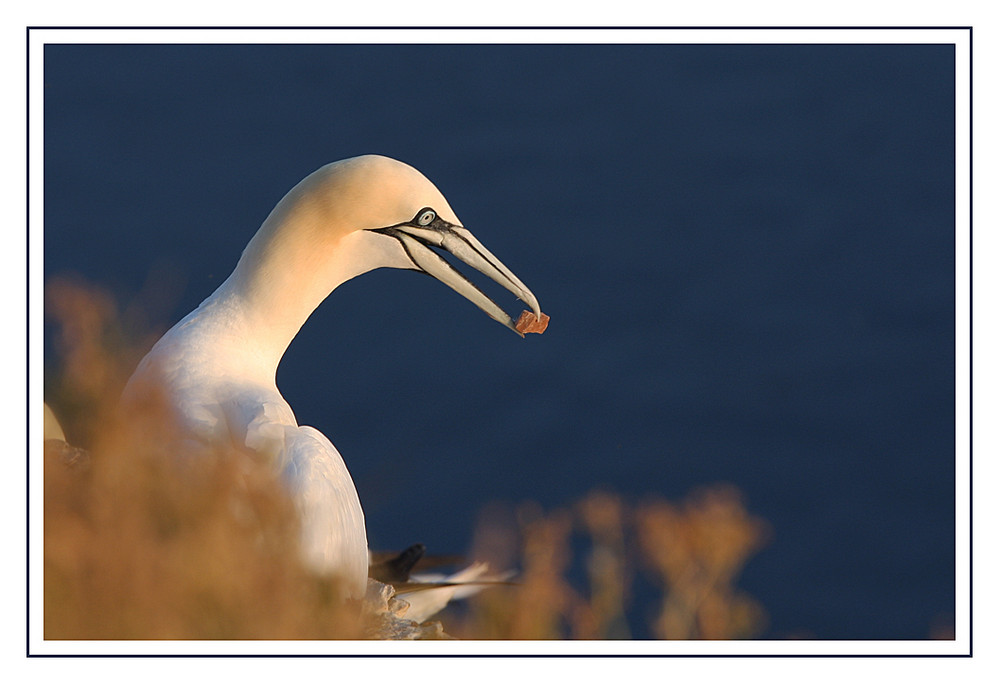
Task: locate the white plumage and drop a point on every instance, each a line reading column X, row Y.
column 215, row 369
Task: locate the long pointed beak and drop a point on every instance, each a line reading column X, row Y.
column 459, row 242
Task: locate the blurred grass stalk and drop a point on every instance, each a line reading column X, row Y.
column 693, row 553
column 142, row 545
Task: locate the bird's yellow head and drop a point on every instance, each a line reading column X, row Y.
column 362, row 213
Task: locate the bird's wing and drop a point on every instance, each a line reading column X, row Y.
column 256, row 420
column 259, row 420
column 428, row 594
column 394, row 568
column 332, row 523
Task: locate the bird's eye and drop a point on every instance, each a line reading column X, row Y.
column 426, row 217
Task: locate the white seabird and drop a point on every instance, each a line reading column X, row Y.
column 215, row 369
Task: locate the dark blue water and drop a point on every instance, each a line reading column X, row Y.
column 747, row 253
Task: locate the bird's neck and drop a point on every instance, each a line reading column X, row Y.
column 285, row 272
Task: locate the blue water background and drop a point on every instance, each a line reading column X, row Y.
column 747, row 253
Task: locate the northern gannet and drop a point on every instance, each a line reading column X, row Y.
column 215, row 369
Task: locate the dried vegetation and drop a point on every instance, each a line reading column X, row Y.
column 141, row 545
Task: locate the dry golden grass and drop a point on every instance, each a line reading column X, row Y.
column 139, row 548
column 142, row 545
column 693, row 552
column 697, row 551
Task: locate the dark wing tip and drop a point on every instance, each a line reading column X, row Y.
column 396, row 569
